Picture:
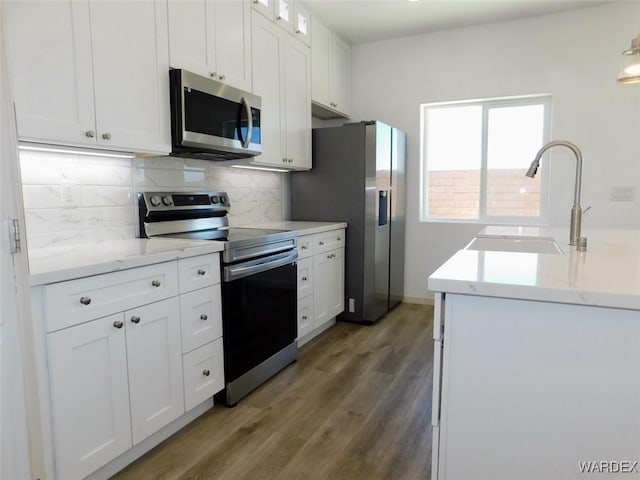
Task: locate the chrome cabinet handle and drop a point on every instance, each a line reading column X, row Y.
column 213, row 75
column 321, row 243
column 135, row 319
column 290, row 160
column 206, row 373
column 118, row 324
column 203, row 317
column 304, row 279
column 339, row 238
column 202, row 272
column 221, row 77
column 85, row 300
column 89, row 134
column 156, row 283
column 303, row 247
column 106, row 136
column 304, row 317
column 284, row 160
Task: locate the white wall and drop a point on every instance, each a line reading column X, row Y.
column 574, row 56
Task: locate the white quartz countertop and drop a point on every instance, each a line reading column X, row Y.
column 607, row 274
column 302, row 227
column 56, row 264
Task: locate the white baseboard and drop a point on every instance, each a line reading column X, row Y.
column 419, row 300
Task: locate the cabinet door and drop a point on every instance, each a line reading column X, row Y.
column 268, row 69
column 51, row 65
column 89, row 395
column 200, row 317
column 131, row 68
column 336, row 297
column 188, row 36
column 305, row 277
column 305, row 316
column 340, row 75
column 155, row 366
column 203, row 373
column 297, row 103
column 265, row 7
column 231, row 41
column 328, row 286
column 301, row 23
column 321, row 46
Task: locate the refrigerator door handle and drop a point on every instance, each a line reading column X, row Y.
column 383, row 213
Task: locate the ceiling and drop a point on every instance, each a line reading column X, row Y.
column 361, row 21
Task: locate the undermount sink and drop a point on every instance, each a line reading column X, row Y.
column 516, row 244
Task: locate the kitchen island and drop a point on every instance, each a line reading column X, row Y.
column 537, row 360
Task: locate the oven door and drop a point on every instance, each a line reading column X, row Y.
column 259, row 303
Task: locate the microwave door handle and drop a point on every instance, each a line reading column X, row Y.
column 247, row 108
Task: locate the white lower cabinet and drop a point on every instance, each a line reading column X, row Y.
column 154, row 358
column 114, row 381
column 320, row 282
column 329, row 285
column 154, row 353
column 203, row 373
column 305, row 316
column 89, row 395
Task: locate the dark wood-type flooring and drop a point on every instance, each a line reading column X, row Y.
column 356, row 405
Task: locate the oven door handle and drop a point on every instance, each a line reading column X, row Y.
column 234, row 272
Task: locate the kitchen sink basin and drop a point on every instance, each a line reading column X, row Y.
column 516, row 244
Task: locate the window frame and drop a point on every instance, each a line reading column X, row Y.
column 487, row 104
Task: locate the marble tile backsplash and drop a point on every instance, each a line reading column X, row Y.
column 72, row 199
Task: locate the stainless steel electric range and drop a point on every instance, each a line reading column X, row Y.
column 259, row 282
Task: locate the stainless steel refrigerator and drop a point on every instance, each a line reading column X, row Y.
column 358, row 176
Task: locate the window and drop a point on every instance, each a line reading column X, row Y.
column 474, row 158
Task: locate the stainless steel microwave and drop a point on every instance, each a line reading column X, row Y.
column 211, row 120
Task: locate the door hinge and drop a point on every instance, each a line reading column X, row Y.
column 14, row 234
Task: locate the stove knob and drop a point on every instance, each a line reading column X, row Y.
column 155, row 200
column 214, row 199
column 167, row 200
column 223, row 199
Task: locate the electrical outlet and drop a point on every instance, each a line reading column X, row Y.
column 68, row 194
column 622, row 194
column 352, row 305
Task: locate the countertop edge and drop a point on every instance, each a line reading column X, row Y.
column 124, row 263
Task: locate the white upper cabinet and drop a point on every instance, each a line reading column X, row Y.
column 290, row 15
column 131, row 74
column 212, row 38
column 91, row 72
column 51, row 64
column 281, row 77
column 331, row 73
column 297, row 105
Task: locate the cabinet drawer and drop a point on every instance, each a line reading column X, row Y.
column 198, row 272
column 305, row 246
column 201, row 317
column 305, row 316
column 203, row 373
column 305, row 277
column 323, row 242
column 76, row 301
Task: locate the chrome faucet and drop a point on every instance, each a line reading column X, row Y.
column 576, row 211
